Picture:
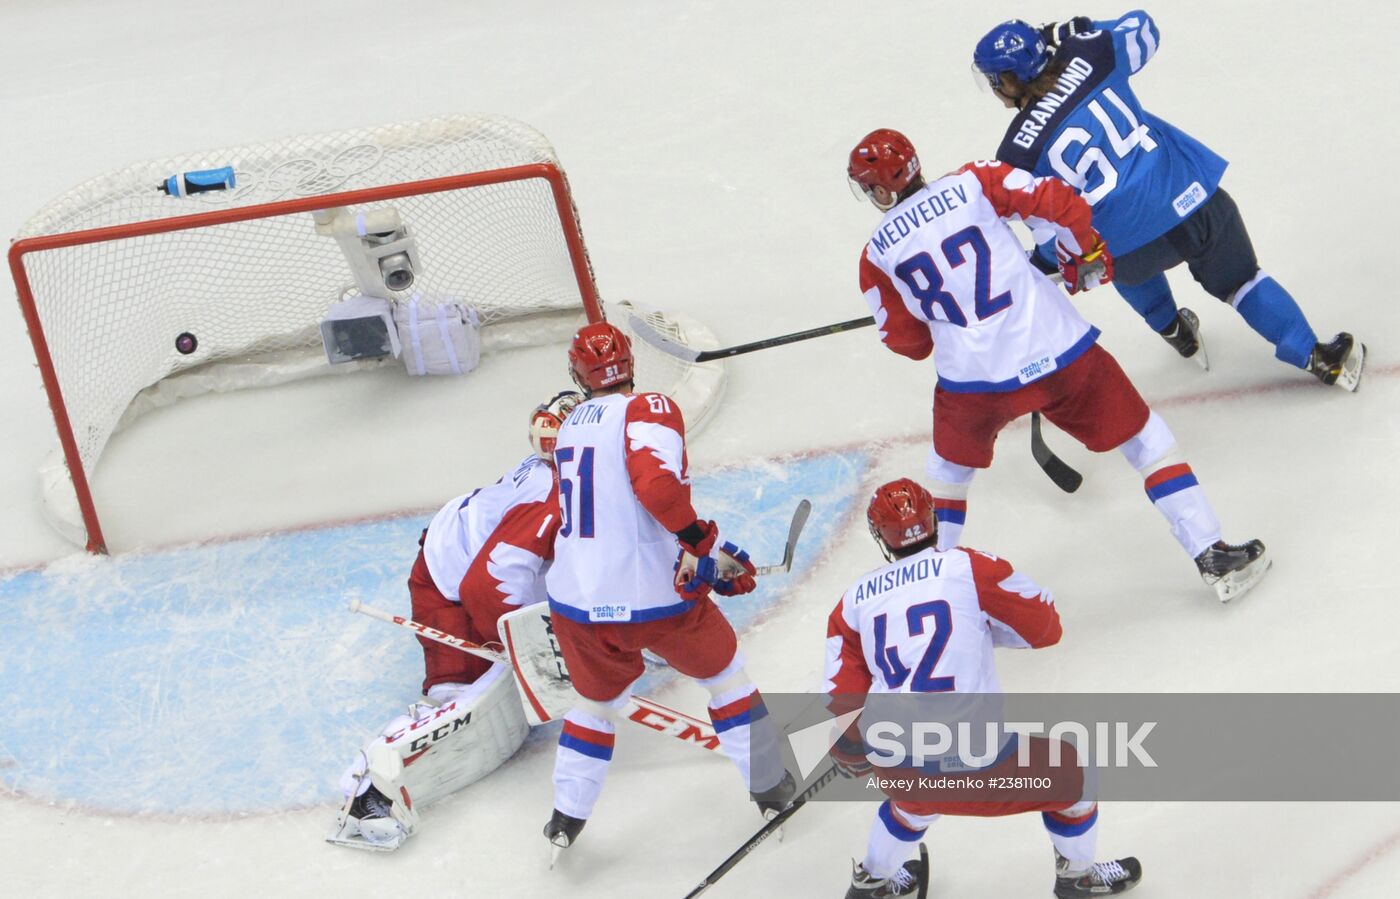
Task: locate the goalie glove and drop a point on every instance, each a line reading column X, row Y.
column 1087, row 270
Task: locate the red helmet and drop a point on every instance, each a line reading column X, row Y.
column 901, row 515
column 886, row 158
column 601, row 356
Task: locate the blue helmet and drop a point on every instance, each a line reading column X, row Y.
column 1014, row 47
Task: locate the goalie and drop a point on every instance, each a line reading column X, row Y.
column 482, row 555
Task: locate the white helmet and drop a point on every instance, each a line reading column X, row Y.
column 546, row 419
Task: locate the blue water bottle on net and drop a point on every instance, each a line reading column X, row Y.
column 198, row 182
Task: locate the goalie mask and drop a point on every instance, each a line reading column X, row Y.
column 600, row 356
column 901, row 517
column 546, row 420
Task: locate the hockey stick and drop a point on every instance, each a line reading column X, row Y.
column 666, row 345
column 799, row 521
column 640, row 710
column 767, row 830
column 1066, row 478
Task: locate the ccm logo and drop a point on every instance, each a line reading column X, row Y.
column 440, row 727
column 668, row 724
column 439, row 732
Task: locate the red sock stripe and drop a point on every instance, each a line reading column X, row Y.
column 1062, row 818
column 737, row 708
column 957, row 505
column 1162, row 475
column 589, row 735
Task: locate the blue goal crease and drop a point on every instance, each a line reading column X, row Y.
column 230, row 678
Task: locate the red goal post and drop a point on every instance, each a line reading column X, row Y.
column 108, row 275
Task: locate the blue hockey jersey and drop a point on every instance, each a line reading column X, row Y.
column 1140, row 174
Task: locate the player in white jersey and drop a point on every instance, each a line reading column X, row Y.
column 482, row 555
column 633, row 569
column 928, row 622
column 944, row 268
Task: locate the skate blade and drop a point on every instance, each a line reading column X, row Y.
column 1237, row 583
column 1349, row 378
column 1199, row 357
column 777, row 834
column 555, row 851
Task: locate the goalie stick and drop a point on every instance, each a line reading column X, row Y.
column 1066, row 478
column 640, row 710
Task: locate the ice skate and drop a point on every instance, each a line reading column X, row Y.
column 910, row 880
column 1233, row 569
column 1099, row 879
column 773, row 801
column 1184, row 336
column 561, row 831
column 367, row 822
column 1339, row 362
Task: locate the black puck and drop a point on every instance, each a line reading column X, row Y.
column 186, row 343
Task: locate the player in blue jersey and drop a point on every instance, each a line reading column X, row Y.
column 1154, row 189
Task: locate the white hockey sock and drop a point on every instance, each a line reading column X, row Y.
column 893, row 837
column 581, row 763
column 949, row 486
column 1176, row 494
column 1172, row 486
column 746, row 732
column 1075, row 833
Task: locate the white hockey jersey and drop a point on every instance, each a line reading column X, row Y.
column 466, row 524
column 623, row 493
column 943, row 267
column 928, row 623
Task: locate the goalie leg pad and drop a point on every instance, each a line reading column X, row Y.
column 446, row 743
column 459, row 742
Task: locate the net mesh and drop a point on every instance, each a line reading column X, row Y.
column 111, row 310
column 254, row 292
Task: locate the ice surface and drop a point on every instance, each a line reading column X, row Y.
column 705, row 143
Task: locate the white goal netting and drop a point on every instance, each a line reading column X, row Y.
column 112, row 272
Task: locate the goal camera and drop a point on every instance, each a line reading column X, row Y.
column 382, row 255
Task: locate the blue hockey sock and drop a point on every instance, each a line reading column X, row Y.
column 1152, row 299
column 1271, row 310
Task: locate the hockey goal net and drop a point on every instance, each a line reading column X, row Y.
column 113, row 272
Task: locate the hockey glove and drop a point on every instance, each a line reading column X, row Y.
column 849, row 756
column 695, row 567
column 735, row 571
column 1086, row 271
column 1056, row 33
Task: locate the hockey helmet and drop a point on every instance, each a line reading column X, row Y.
column 600, row 356
column 1014, row 46
column 883, row 158
column 901, row 516
column 546, row 420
